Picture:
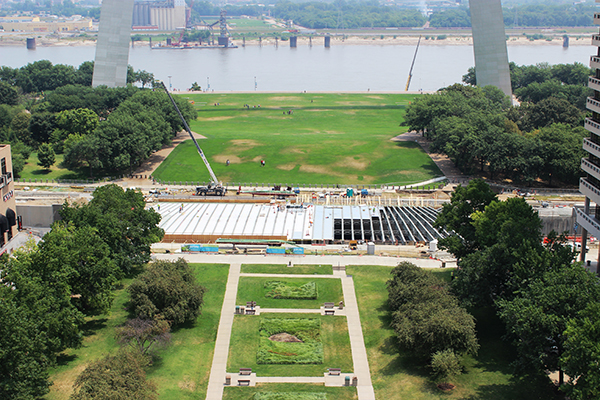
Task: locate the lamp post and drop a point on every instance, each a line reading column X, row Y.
column 255, row 84
column 170, row 86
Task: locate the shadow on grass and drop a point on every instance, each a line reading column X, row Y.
column 94, row 325
column 41, row 172
column 65, row 359
column 528, row 387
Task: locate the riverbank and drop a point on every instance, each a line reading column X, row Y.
column 429, row 38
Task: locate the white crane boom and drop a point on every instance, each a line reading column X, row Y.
column 213, row 177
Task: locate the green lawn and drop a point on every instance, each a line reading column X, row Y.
column 247, row 393
column 488, row 376
column 245, row 343
column 181, row 370
column 329, row 139
column 252, row 289
column 33, row 171
column 297, row 269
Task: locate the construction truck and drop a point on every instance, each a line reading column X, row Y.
column 214, row 188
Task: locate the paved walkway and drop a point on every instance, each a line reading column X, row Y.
column 218, row 370
column 288, row 276
column 334, row 260
column 357, row 342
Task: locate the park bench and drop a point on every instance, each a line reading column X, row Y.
column 250, row 304
column 329, row 305
column 329, row 312
column 245, row 371
column 245, row 382
column 250, row 311
column 334, row 371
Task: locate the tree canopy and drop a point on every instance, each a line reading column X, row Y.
column 121, row 376
column 426, row 318
column 121, row 221
column 167, row 290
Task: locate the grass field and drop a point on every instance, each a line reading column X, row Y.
column 329, row 139
column 181, row 370
column 488, row 376
column 297, row 269
column 252, row 289
column 247, row 393
column 245, row 344
column 33, row 171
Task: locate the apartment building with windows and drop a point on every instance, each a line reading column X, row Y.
column 589, row 185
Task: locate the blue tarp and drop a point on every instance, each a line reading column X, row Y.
column 202, row 249
column 276, row 250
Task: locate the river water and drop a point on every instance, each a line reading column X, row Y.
column 341, row 68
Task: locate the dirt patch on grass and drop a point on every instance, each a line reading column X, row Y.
column 287, row 167
column 318, row 169
column 316, row 110
column 224, row 118
column 350, row 162
column 375, row 97
column 244, row 142
column 284, row 98
column 222, row 158
column 334, row 132
column 295, row 150
column 63, row 383
column 187, row 385
column 285, row 338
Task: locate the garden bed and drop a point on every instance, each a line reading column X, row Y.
column 287, row 290
column 290, row 341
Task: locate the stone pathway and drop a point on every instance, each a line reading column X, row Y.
column 357, row 342
column 218, row 370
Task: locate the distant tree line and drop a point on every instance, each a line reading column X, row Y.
column 347, row 15
column 65, row 8
column 531, row 15
column 479, row 129
column 54, row 109
column 547, row 302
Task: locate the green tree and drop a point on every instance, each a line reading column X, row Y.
column 582, row 354
column 142, row 335
column 45, row 299
column 121, row 376
column 8, row 94
column 411, row 284
column 82, row 260
column 169, row 290
column 426, row 328
column 82, row 120
column 508, row 252
column 445, row 365
column 122, row 222
column 425, row 317
column 23, row 358
column 19, row 127
column 456, row 217
column 46, row 156
column 550, row 111
column 537, row 317
column 41, row 125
